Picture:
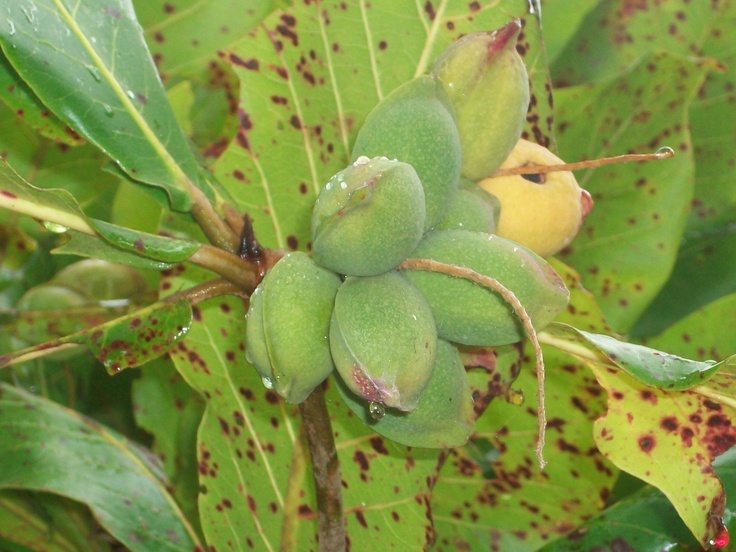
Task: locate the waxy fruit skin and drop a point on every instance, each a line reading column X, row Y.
column 471, row 314
column 488, row 85
column 414, row 124
column 383, row 339
column 288, row 325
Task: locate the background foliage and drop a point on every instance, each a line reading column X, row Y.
column 191, row 451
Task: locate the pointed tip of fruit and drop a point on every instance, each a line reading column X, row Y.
column 504, row 37
column 586, row 201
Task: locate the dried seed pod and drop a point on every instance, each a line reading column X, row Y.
column 487, row 82
column 368, row 217
column 472, row 209
column 543, row 211
column 383, row 339
column 444, row 416
column 469, row 313
column 288, row 326
column 413, row 124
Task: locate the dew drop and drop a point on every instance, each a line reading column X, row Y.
column 93, row 71
column 55, row 228
column 108, row 110
column 131, row 94
column 362, row 160
column 666, row 150
column 12, row 27
column 267, row 382
column 515, row 397
column 376, row 410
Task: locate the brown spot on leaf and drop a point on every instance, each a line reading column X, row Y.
column 669, row 423
column 647, row 443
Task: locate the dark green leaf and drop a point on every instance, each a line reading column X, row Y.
column 47, row 447
column 647, row 365
column 90, row 65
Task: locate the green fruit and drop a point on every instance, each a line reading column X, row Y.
column 444, row 415
column 413, row 124
column 288, row 323
column 368, row 217
column 383, row 339
column 489, row 88
column 102, row 281
column 472, row 209
column 470, row 314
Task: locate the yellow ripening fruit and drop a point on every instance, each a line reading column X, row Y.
column 544, row 211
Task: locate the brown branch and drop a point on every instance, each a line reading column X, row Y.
column 228, row 265
column 507, row 295
column 217, row 231
column 326, row 471
column 208, row 290
column 662, row 153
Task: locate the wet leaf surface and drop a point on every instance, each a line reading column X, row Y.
column 68, row 54
column 49, row 448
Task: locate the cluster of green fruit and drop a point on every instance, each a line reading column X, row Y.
column 416, row 190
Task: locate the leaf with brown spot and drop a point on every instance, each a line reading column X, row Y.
column 669, row 440
column 508, row 503
column 307, row 86
column 629, row 242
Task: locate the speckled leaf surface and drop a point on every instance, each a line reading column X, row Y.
column 184, row 36
column 20, row 98
column 256, row 489
column 612, row 37
column 504, row 505
column 90, row 65
column 310, row 75
column 121, row 343
column 49, row 448
column 646, row 431
column 629, row 243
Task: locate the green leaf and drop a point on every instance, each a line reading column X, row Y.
column 121, row 343
column 629, row 243
column 185, row 36
column 309, row 77
column 631, row 525
column 90, row 65
column 18, row 96
column 47, row 447
column 47, row 523
column 61, row 213
column 256, row 489
column 669, row 440
column 649, row 366
column 492, row 493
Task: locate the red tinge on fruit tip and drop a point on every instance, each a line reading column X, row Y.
column 720, row 540
column 502, row 36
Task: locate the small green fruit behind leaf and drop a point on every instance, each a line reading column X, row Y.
column 415, row 124
column 288, row 326
column 444, row 416
column 368, row 217
column 102, row 282
column 472, row 209
column 471, row 314
column 487, row 82
column 383, row 339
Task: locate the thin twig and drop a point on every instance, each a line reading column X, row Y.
column 326, row 471
column 494, row 285
column 208, row 290
column 662, row 153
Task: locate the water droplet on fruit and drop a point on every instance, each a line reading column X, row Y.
column 515, row 397
column 267, row 382
column 376, row 410
column 55, row 228
column 665, row 151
